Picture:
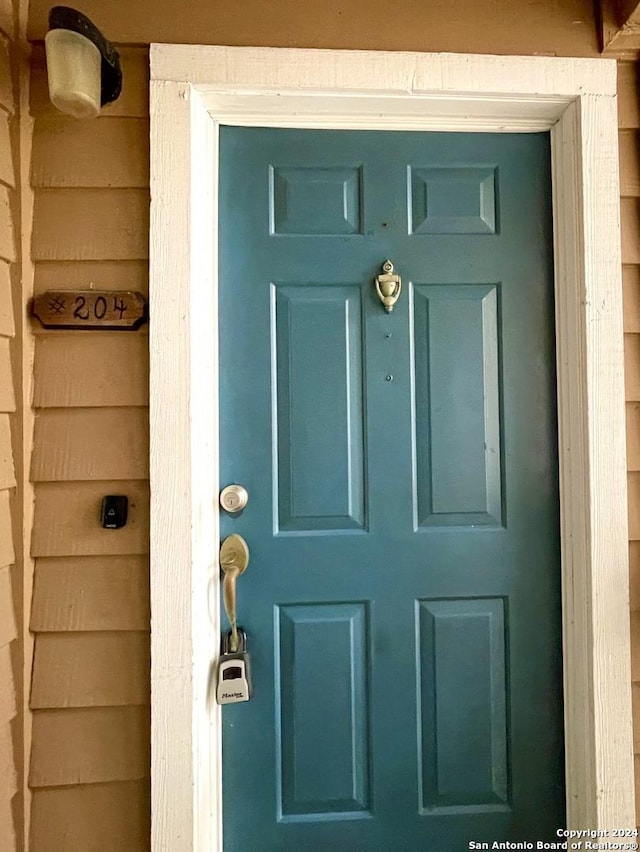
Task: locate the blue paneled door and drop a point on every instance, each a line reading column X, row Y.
column 402, row 602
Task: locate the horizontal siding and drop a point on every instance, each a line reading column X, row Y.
column 90, row 607
column 7, row 471
column 8, row 702
column 65, row 446
column 7, row 693
column 7, row 238
column 87, row 369
column 7, row 395
column 67, row 519
column 7, row 323
column 633, row 436
column 8, row 775
column 97, row 593
column 629, row 223
column 8, row 840
column 634, row 575
column 92, row 818
column 8, row 627
column 7, row 20
column 90, row 670
column 635, row 646
column 110, row 744
column 633, row 484
column 8, row 789
column 629, row 163
column 88, row 274
column 629, row 142
column 7, row 167
column 631, row 294
column 7, row 553
column 90, row 224
column 556, row 27
column 11, row 806
column 628, row 96
column 632, row 366
column 68, row 153
column 7, row 101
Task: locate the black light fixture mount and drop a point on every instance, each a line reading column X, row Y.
column 83, row 66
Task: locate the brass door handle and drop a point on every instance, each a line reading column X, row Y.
column 234, row 558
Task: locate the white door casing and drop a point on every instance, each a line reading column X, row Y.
column 195, row 89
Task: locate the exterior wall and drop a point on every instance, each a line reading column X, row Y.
column 90, row 612
column 11, row 802
column 562, row 27
column 629, row 141
column 90, row 691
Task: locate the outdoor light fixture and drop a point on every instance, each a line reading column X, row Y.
column 83, row 67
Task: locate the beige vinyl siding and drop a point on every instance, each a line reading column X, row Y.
column 90, row 612
column 629, row 140
column 111, row 744
column 93, row 593
column 64, row 439
column 101, row 817
column 89, row 669
column 91, row 369
column 11, row 805
column 7, row 324
column 109, row 224
column 562, row 27
column 105, row 274
column 67, row 518
column 80, row 154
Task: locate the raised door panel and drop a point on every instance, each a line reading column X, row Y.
column 457, row 405
column 462, row 700
column 322, row 720
column 318, row 417
column 454, row 200
column 315, row 201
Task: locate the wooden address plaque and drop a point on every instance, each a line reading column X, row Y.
column 90, row 309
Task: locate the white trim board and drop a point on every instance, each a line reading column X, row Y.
column 194, row 89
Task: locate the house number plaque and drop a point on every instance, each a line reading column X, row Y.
column 90, row 309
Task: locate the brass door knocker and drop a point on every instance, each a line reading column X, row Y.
column 388, row 286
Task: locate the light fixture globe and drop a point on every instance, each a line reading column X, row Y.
column 82, row 66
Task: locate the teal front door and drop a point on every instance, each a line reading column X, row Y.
column 402, row 602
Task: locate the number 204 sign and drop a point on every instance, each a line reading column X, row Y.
column 90, row 309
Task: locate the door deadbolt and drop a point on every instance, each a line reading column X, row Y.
column 234, row 498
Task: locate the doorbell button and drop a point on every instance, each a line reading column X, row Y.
column 114, row 511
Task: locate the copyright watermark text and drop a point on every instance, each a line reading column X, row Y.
column 585, row 840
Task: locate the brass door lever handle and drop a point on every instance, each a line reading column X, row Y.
column 234, row 558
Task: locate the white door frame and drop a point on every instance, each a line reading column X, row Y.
column 195, row 89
